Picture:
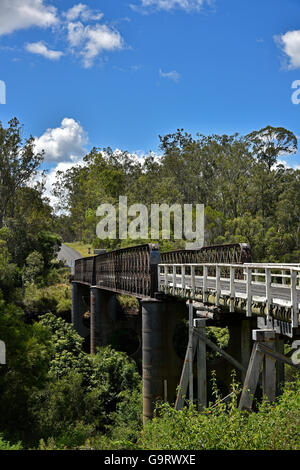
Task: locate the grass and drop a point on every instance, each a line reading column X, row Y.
column 81, row 247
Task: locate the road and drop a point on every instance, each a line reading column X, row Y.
column 68, row 255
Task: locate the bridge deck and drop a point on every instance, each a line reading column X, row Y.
column 220, row 276
column 268, row 290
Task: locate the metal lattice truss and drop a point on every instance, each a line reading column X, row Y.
column 235, row 253
column 130, row 270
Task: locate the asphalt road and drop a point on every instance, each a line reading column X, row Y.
column 68, row 255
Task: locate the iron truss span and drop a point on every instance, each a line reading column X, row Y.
column 130, row 270
column 235, row 253
column 271, row 291
column 133, row 270
column 220, row 277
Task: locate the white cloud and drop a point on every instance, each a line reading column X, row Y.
column 87, row 39
column 286, row 165
column 41, row 49
column 63, row 144
column 187, row 5
column 174, row 76
column 82, row 11
column 90, row 41
column 290, row 45
column 21, row 14
column 76, row 33
column 51, row 179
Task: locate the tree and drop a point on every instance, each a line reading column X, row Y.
column 18, row 164
column 28, row 354
column 272, row 142
column 34, row 267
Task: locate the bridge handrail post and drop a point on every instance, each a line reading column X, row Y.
column 193, row 281
column 154, row 260
column 249, row 291
column 283, row 272
column 218, row 284
column 268, row 281
column 183, row 278
column 205, row 270
column 294, row 299
column 191, row 352
column 232, row 288
column 174, row 279
column 165, row 277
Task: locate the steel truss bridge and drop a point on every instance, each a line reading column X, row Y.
column 257, row 302
column 220, row 279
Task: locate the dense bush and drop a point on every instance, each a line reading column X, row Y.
column 84, row 394
column 272, row 427
column 28, row 358
column 5, row 445
column 54, row 299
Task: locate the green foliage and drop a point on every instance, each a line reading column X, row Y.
column 127, row 419
column 72, row 437
column 67, row 348
column 224, row 427
column 28, row 357
column 128, row 302
column 82, row 390
column 34, row 267
column 219, row 336
column 5, row 445
column 18, row 164
column 59, row 410
column 248, row 197
column 54, row 299
column 48, row 246
column 8, row 271
column 51, row 391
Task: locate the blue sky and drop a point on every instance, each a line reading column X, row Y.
column 118, row 73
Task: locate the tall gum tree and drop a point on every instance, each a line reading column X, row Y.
column 18, row 165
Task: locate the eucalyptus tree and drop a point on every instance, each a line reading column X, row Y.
column 18, row 165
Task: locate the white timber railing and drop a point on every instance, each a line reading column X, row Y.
column 268, row 284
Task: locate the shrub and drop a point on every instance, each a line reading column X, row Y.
column 53, row 299
column 272, row 427
column 5, row 445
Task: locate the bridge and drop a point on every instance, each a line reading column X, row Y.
column 213, row 286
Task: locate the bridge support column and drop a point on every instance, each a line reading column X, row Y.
column 162, row 365
column 94, row 318
column 200, row 323
column 75, row 306
column 104, row 306
column 260, row 358
column 153, row 360
column 240, row 342
column 280, row 378
column 79, row 293
column 247, row 325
